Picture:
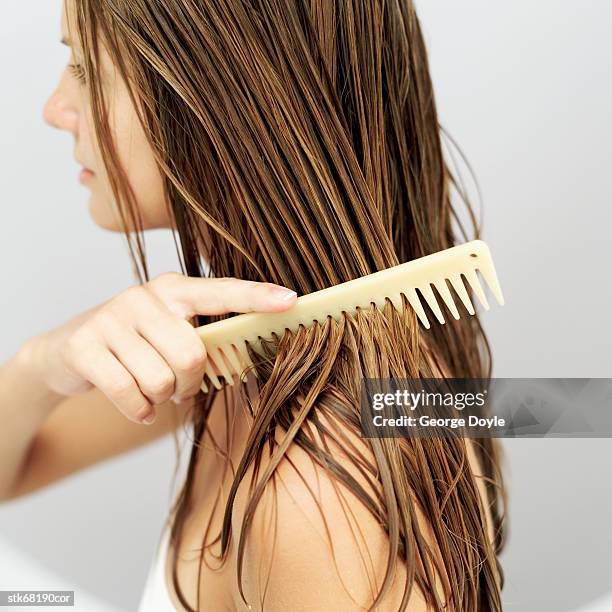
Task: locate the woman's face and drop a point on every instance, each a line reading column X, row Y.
column 68, row 109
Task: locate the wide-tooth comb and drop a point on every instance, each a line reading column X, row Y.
column 225, row 340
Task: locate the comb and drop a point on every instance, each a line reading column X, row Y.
column 226, row 340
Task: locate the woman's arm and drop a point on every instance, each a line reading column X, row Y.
column 46, row 436
column 24, row 406
column 65, row 395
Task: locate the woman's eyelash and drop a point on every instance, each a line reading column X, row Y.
column 77, row 71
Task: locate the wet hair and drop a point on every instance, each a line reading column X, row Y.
column 300, row 144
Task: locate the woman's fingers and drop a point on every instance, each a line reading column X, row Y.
column 158, row 313
column 98, row 365
column 154, row 376
column 139, row 347
column 174, row 339
column 181, row 348
column 188, row 296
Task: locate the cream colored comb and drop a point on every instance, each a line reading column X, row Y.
column 225, row 340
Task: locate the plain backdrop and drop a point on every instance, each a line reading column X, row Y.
column 524, row 87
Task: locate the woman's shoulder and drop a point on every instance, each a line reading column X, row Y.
column 311, row 538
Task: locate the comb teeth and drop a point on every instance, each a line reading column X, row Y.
column 230, row 360
column 459, row 288
column 430, row 298
column 444, row 292
column 226, row 340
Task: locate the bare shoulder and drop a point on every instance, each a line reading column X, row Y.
column 313, row 544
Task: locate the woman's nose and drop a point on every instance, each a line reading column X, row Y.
column 58, row 113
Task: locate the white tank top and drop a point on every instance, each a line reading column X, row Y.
column 155, row 596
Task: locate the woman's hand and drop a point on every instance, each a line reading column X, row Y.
column 139, row 347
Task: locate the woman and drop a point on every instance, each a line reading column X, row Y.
column 291, row 145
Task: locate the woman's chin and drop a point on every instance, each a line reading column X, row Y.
column 106, row 216
column 103, row 215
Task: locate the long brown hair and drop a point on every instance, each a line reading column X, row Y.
column 300, row 145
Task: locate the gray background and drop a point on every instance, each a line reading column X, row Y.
column 525, row 89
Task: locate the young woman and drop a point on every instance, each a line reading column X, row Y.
column 290, row 145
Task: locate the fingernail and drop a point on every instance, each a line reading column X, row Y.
column 176, row 400
column 149, row 418
column 284, row 294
